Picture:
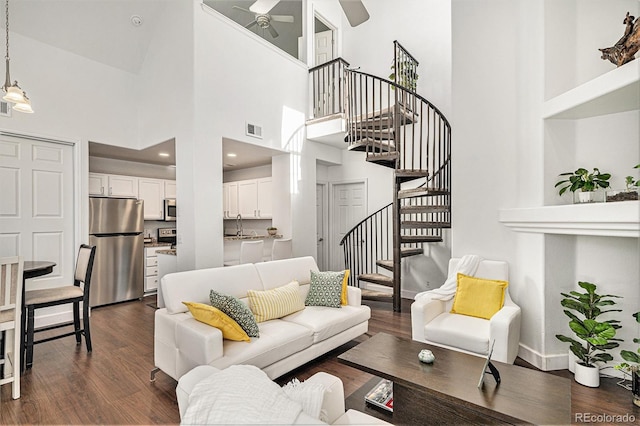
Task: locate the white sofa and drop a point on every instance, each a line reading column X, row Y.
column 333, row 406
column 432, row 321
column 182, row 343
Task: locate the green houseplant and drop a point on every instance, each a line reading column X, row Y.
column 629, row 193
column 584, row 309
column 405, row 76
column 583, row 184
column 634, row 368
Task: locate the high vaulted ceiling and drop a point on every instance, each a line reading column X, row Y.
column 100, row 30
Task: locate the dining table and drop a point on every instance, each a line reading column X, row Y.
column 31, row 269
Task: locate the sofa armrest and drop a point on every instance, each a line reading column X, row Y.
column 423, row 311
column 199, row 343
column 504, row 328
column 333, row 401
column 354, row 296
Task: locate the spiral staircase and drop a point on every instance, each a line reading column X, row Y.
column 399, row 129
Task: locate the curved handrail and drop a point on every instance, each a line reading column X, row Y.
column 364, row 220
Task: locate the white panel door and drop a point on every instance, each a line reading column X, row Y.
column 37, row 206
column 320, row 231
column 323, row 46
column 349, row 208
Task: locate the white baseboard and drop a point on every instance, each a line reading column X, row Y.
column 543, row 362
column 52, row 319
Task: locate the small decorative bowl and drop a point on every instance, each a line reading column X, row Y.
column 426, row 356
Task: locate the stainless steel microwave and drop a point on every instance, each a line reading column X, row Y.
column 170, row 210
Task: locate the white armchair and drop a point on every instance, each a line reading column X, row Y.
column 432, row 321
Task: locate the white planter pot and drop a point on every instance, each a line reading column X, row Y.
column 572, row 361
column 587, row 376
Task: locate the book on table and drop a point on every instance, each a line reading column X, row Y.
column 381, row 395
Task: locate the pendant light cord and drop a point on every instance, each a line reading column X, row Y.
column 6, row 25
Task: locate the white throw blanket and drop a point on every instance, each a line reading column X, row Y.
column 467, row 265
column 240, row 394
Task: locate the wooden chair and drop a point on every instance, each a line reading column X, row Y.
column 10, row 314
column 251, row 251
column 74, row 294
column 282, row 249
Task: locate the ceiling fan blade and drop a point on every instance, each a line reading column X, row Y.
column 263, row 6
column 252, row 24
column 355, row 11
column 242, row 9
column 282, row 18
column 273, row 31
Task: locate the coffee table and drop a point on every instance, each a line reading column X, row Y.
column 446, row 392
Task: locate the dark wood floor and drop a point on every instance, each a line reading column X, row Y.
column 111, row 385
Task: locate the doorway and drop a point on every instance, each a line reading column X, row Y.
column 322, row 224
column 324, row 40
column 40, row 201
column 348, row 207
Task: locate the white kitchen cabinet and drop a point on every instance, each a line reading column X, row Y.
column 230, row 200
column 170, row 189
column 265, row 197
column 98, row 184
column 255, row 198
column 151, row 279
column 248, row 198
column 123, row 186
column 152, row 192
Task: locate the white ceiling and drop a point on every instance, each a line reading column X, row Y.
column 96, row 29
column 101, row 30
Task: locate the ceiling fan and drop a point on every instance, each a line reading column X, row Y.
column 354, row 10
column 263, row 20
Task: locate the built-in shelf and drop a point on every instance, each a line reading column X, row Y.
column 616, row 91
column 619, row 219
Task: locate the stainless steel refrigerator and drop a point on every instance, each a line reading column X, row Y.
column 116, row 229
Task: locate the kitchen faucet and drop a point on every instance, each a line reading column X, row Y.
column 239, row 230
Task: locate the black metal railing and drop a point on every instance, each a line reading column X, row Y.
column 405, row 68
column 327, row 82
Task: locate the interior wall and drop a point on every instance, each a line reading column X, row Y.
column 131, row 168
column 247, row 173
column 168, row 69
column 261, row 86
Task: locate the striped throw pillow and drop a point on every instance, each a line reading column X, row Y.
column 275, row 303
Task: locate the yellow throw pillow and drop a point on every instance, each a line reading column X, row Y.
column 218, row 319
column 343, row 295
column 478, row 297
column 275, row 303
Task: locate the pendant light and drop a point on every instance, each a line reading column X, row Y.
column 14, row 93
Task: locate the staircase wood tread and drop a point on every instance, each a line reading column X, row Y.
column 377, row 279
column 386, row 264
column 411, row 209
column 406, row 252
column 418, row 224
column 378, row 296
column 420, row 239
column 420, row 192
column 373, row 145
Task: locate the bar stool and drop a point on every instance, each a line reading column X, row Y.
column 251, row 251
column 282, row 249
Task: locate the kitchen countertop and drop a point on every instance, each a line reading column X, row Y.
column 172, row 252
column 252, row 237
column 157, row 244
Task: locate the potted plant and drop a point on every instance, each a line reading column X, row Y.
column 599, row 336
column 272, row 230
column 405, row 76
column 583, row 184
column 632, row 369
column 629, row 193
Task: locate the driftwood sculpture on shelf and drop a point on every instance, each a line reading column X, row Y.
column 625, row 49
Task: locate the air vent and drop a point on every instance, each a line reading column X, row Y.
column 254, row 130
column 5, row 109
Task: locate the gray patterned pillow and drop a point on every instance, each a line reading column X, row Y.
column 238, row 311
column 325, row 289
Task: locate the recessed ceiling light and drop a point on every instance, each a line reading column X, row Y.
column 231, row 154
column 163, row 154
